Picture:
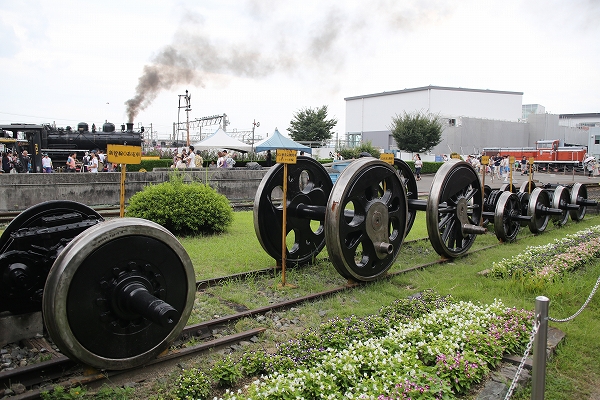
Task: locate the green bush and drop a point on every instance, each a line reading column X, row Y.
column 192, row 384
column 226, row 371
column 182, row 208
column 354, row 152
column 148, row 165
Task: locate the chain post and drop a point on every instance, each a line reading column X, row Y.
column 539, row 349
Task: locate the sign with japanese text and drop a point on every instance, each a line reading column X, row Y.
column 387, row 157
column 286, row 156
column 120, row 154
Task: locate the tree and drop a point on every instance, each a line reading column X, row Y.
column 416, row 132
column 311, row 125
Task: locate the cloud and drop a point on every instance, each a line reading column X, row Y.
column 282, row 43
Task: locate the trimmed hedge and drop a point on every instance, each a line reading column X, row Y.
column 182, row 208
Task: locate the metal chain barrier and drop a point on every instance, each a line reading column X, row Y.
column 513, row 384
column 582, row 307
column 534, row 332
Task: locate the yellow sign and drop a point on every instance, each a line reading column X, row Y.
column 455, row 156
column 511, row 159
column 485, row 160
column 387, row 157
column 286, row 156
column 531, row 160
column 120, row 154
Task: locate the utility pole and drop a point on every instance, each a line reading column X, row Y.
column 188, row 107
column 254, row 125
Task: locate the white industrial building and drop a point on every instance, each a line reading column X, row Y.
column 472, row 118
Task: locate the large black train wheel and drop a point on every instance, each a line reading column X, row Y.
column 454, row 208
column 506, row 227
column 39, row 229
column 309, row 184
column 561, row 199
column 43, row 214
column 119, row 294
column 407, row 177
column 578, row 192
column 365, row 219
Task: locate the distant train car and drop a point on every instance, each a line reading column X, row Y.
column 59, row 143
column 548, row 154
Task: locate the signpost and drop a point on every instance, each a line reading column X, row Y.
column 120, row 154
column 387, row 157
column 485, row 160
column 511, row 163
column 285, row 157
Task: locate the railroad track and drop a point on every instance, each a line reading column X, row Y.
column 68, row 373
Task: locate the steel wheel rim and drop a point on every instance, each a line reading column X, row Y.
column 578, row 191
column 47, row 208
column 505, row 227
column 560, row 199
column 410, row 186
column 58, row 285
column 454, row 180
column 538, row 222
column 268, row 214
column 525, row 187
column 346, row 235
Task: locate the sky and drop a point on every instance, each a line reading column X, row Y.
column 263, row 61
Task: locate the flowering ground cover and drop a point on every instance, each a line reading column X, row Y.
column 428, row 348
column 538, row 265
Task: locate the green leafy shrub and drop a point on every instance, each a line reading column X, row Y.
column 192, row 384
column 60, row 393
column 354, row 152
column 226, row 371
column 149, row 165
column 253, row 362
column 182, row 208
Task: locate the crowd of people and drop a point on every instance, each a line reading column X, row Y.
column 12, row 163
column 191, row 158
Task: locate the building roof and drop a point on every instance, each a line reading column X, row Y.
column 431, row 88
column 582, row 115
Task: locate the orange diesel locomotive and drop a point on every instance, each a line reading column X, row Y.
column 547, row 154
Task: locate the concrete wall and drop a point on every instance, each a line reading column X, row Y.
column 20, row 191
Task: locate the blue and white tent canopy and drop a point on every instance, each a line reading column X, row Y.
column 278, row 141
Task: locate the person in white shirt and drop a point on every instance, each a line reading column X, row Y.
column 93, row 166
column 190, row 160
column 46, row 164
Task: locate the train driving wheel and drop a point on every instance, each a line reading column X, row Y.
column 454, row 209
column 366, row 219
column 308, row 188
column 506, row 226
column 537, row 202
column 578, row 193
column 119, row 294
column 561, row 199
column 407, row 177
column 30, row 244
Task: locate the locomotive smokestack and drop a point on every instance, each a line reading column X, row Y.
column 130, row 127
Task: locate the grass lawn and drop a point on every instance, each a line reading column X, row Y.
column 572, row 373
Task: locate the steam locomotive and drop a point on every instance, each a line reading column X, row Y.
column 59, row 143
